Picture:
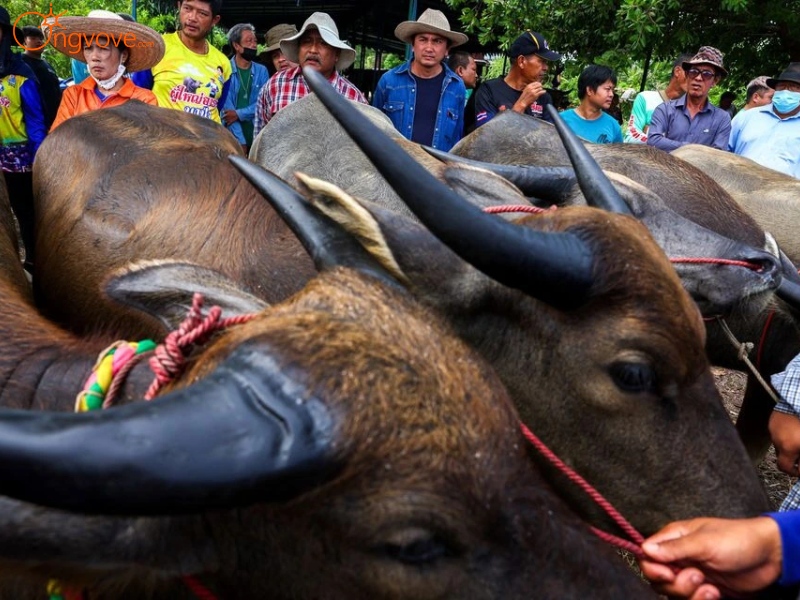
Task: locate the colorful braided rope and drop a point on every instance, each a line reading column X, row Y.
column 111, row 361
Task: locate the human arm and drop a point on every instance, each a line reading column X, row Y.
column 144, row 79
column 485, row 106
column 638, row 124
column 33, row 112
column 784, row 424
column 379, row 95
column 659, row 127
column 723, row 133
column 67, row 107
column 714, row 556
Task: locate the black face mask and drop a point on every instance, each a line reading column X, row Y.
column 249, row 54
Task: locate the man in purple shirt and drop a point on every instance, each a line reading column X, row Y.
column 692, row 119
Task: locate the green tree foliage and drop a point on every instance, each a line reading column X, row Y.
column 757, row 36
column 160, row 15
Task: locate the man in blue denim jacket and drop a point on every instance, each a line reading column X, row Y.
column 423, row 98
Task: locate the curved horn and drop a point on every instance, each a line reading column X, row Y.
column 789, row 292
column 554, row 267
column 595, row 185
column 325, row 241
column 244, row 434
column 551, row 184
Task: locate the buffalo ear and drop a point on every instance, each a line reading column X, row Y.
column 164, row 290
column 353, row 217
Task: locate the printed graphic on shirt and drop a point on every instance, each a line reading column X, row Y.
column 15, row 153
column 190, row 82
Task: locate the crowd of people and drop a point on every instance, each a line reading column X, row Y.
column 433, row 98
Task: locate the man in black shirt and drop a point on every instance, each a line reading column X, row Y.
column 521, row 90
column 49, row 88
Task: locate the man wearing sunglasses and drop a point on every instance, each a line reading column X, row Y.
column 692, row 119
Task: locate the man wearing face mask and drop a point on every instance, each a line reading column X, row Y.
column 247, row 79
column 770, row 134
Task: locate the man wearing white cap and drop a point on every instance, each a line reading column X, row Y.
column 423, row 97
column 316, row 46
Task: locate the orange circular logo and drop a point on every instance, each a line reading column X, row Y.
column 49, row 22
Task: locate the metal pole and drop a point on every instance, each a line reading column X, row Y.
column 412, row 16
column 133, row 9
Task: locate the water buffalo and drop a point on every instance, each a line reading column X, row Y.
column 628, row 368
column 292, row 144
column 768, row 196
column 342, row 444
column 512, row 139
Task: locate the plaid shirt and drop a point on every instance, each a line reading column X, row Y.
column 787, row 384
column 289, row 85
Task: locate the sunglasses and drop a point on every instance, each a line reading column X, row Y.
column 707, row 75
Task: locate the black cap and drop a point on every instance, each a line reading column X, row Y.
column 532, row 42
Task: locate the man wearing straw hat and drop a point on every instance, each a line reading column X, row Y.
column 423, row 97
column 317, row 46
column 193, row 76
column 110, row 46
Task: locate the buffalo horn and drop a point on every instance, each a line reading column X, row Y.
column 244, row 434
column 328, row 244
column 551, row 184
column 595, row 185
column 553, row 267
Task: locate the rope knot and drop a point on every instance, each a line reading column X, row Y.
column 169, row 359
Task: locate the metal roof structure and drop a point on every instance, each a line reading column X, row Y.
column 364, row 22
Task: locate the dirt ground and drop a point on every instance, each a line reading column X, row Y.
column 731, row 386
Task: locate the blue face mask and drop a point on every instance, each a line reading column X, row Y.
column 785, row 101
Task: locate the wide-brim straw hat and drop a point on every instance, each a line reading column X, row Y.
column 145, row 50
column 323, row 23
column 430, row 21
column 792, row 73
column 707, row 55
column 278, row 33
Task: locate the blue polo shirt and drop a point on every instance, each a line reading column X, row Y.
column 672, row 127
column 761, row 135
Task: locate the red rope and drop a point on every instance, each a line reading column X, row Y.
column 634, row 545
column 716, row 261
column 507, row 208
column 197, row 588
column 763, row 338
column 169, row 359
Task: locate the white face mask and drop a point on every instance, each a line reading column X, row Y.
column 109, row 83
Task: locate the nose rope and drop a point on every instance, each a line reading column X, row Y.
column 524, row 208
column 634, row 543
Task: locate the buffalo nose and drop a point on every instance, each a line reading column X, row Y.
column 767, row 264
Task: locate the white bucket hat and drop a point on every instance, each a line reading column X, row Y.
column 146, row 50
column 323, row 23
column 430, row 21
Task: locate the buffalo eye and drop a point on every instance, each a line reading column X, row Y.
column 634, row 377
column 417, row 547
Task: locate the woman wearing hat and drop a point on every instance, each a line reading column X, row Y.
column 111, row 47
column 22, row 128
column 275, row 58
